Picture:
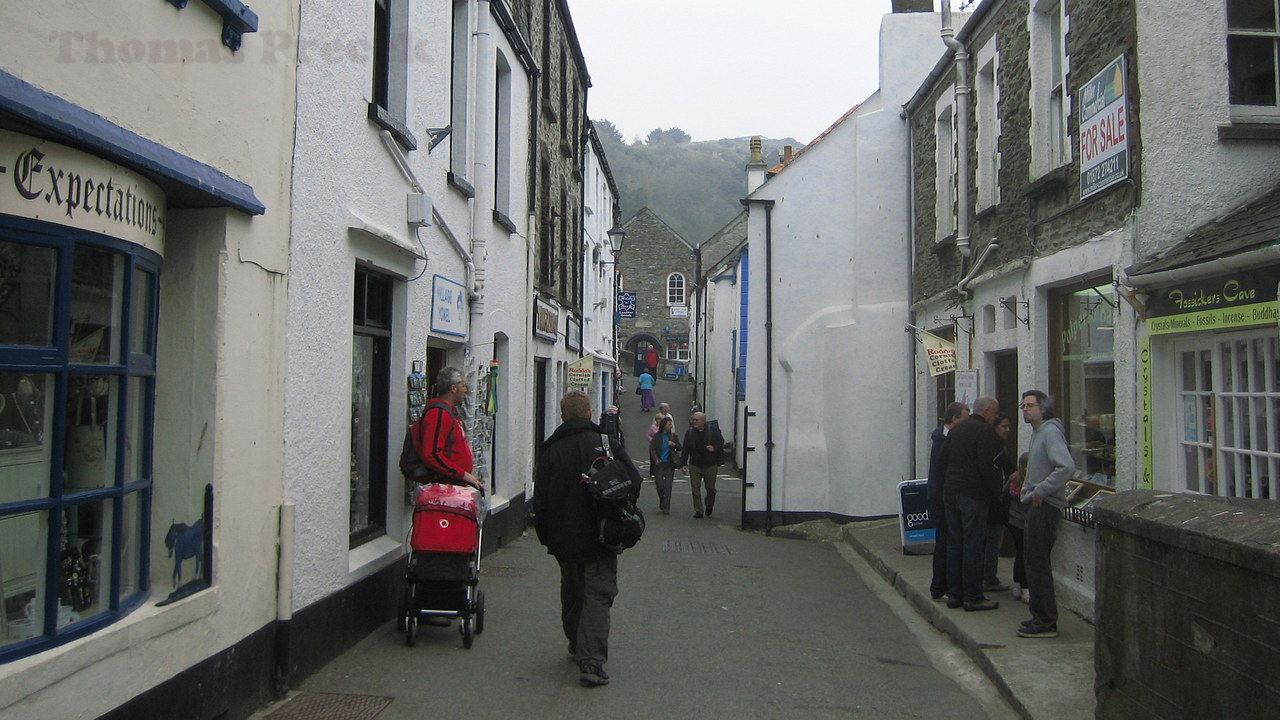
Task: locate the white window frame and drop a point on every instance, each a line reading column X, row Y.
column 460, row 91
column 502, row 144
column 1227, row 423
column 676, row 296
column 945, row 188
column 1050, row 97
column 1256, row 112
column 988, row 110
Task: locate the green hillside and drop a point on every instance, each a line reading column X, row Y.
column 693, row 186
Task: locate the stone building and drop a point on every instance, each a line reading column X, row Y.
column 1056, row 145
column 658, row 267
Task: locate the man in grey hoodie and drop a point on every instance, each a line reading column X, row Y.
column 1049, row 467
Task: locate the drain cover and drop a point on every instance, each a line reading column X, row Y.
column 329, row 706
column 696, row 548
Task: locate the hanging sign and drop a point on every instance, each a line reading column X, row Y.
column 940, row 353
column 580, row 372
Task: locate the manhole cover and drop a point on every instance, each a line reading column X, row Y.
column 329, row 706
column 696, row 548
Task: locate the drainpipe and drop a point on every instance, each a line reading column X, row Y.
column 963, row 93
column 768, row 360
column 963, row 286
column 284, row 600
column 485, row 158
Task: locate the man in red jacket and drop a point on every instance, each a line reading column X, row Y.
column 440, row 439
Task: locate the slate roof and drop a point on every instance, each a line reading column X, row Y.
column 1249, row 226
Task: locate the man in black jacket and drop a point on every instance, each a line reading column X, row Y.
column 955, row 413
column 703, row 447
column 567, row 524
column 972, row 482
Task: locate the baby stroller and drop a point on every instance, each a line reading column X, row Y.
column 444, row 561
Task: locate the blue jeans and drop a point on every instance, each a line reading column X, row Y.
column 966, row 546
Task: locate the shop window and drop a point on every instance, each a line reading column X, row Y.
column 944, row 392
column 1084, row 384
column 77, row 365
column 1229, row 410
column 678, row 350
column 1252, row 41
column 370, row 400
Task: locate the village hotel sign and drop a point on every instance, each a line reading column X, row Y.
column 45, row 181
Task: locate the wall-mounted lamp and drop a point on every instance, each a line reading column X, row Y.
column 616, row 237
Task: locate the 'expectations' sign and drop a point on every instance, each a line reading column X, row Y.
column 1104, row 130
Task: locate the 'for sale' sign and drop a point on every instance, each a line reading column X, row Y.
column 1104, row 130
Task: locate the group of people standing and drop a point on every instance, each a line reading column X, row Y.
column 698, row 453
column 976, row 491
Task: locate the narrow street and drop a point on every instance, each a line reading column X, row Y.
column 710, row 621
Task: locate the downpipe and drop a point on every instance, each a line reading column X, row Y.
column 284, row 601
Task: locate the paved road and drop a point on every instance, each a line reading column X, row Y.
column 710, row 622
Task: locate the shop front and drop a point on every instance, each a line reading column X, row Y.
column 80, row 256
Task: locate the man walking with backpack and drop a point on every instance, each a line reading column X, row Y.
column 568, row 524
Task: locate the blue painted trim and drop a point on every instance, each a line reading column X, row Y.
column 204, row 185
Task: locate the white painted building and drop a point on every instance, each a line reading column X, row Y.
column 829, row 388
column 599, row 275
column 145, row 252
column 410, row 208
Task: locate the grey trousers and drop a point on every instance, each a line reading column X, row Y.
column 697, row 475
column 587, row 590
column 1041, row 532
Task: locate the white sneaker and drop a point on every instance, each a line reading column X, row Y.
column 1026, row 596
column 1017, row 591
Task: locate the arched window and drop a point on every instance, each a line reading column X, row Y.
column 675, row 289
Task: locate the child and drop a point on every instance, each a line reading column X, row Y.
column 1017, row 524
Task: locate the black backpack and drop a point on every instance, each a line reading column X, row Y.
column 609, row 483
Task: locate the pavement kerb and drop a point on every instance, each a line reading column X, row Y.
column 932, row 612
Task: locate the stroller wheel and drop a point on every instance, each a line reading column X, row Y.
column 479, row 611
column 411, row 631
column 468, row 629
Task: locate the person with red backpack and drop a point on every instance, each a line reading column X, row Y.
column 439, row 437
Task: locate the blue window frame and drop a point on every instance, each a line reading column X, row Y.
column 78, row 315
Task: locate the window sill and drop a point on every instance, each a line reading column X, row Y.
column 943, row 243
column 500, row 218
column 130, row 635
column 549, row 113
column 1249, row 130
column 367, row 558
column 385, row 120
column 459, row 183
column 1055, row 179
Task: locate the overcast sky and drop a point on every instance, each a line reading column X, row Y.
column 728, row 68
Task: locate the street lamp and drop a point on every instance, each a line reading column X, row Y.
column 616, row 237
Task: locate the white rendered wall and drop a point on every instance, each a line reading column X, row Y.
column 1190, row 176
column 842, row 368
column 345, row 177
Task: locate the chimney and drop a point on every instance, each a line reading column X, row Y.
column 912, row 6
column 755, row 167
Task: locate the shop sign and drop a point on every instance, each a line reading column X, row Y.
column 448, row 307
column 573, row 333
column 919, row 529
column 581, row 372
column 1242, row 299
column 626, row 304
column 966, row 386
column 1104, row 136
column 45, row 181
column 546, row 320
column 679, row 311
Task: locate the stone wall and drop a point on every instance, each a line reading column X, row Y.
column 1188, row 606
column 1035, row 216
column 652, row 251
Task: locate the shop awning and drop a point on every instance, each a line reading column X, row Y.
column 1247, row 237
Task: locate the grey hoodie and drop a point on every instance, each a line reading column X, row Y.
column 1049, row 464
